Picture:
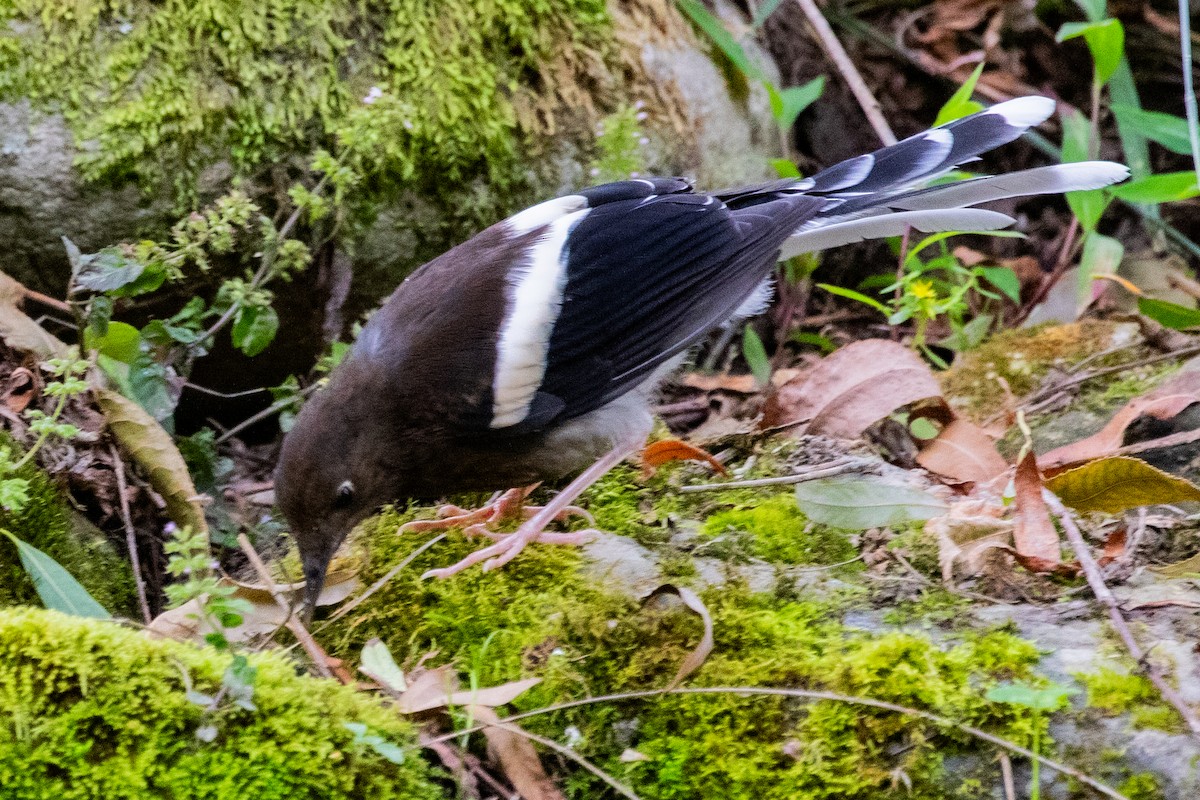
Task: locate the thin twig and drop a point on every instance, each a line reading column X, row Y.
column 46, row 300
column 318, row 656
column 130, row 535
column 837, row 54
column 269, row 411
column 1171, row 440
column 1051, row 391
column 565, row 752
column 1095, row 579
column 1189, row 90
column 829, row 469
column 809, row 694
column 223, row 395
column 1006, row 775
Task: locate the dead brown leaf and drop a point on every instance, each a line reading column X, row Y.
column 1114, row 547
column 1035, row 538
column 963, row 452
column 967, row 536
column 698, row 656
column 667, row 450
column 511, row 748
column 1164, row 403
column 19, row 331
column 738, row 384
column 19, row 390
column 152, row 448
column 438, row 688
column 850, row 390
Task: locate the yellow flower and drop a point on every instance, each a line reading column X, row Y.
column 923, row 290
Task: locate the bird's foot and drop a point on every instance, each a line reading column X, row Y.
column 508, row 546
column 508, row 506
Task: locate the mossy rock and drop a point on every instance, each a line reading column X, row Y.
column 90, row 709
column 543, row 616
column 48, row 523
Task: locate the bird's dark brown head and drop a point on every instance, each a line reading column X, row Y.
column 333, row 471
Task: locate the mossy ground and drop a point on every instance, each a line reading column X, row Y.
column 90, row 709
column 543, row 616
column 46, row 523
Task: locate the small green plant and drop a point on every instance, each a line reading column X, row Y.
column 620, row 145
column 218, row 610
column 55, row 586
column 940, row 286
column 1039, row 701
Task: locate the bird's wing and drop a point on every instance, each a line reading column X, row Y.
column 615, row 288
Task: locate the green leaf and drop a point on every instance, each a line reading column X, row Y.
column 786, row 104
column 756, row 356
column 152, row 387
column 1117, row 484
column 764, row 10
column 1087, row 206
column 859, row 503
column 1172, row 315
column 853, row 295
column 722, row 38
column 121, row 342
column 1167, row 129
column 55, row 586
column 960, row 103
column 1166, row 187
column 378, row 663
column 822, row 343
column 1004, row 279
column 1048, row 698
column 1106, row 41
column 254, row 329
column 107, row 270
column 1101, row 256
column 785, row 168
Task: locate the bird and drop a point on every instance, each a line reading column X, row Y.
column 533, row 350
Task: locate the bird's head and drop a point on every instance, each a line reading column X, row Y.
column 331, row 475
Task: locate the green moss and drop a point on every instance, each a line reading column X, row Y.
column 91, row 709
column 46, row 522
column 934, row 605
column 1143, row 786
column 1116, row 692
column 1019, row 358
column 774, row 529
column 541, row 616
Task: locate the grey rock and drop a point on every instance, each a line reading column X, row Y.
column 43, row 198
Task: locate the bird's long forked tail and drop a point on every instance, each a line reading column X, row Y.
column 883, row 193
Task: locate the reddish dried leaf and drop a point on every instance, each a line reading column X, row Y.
column 20, row 390
column 1035, row 539
column 850, row 390
column 668, row 450
column 963, row 452
column 699, row 655
column 738, row 384
column 1114, row 547
column 1164, row 403
column 1046, row 566
column 512, row 750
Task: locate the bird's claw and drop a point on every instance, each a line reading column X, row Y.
column 507, row 547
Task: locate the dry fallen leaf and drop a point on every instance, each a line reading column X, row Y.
column 967, row 535
column 850, row 390
column 153, row 449
column 963, row 452
column 1114, row 547
column 511, row 748
column 738, row 384
column 698, row 656
column 1035, row 538
column 438, row 688
column 1164, row 403
column 20, row 390
column 667, row 450
column 19, row 331
column 185, row 623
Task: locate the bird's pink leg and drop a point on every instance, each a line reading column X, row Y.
column 507, row 548
column 508, row 505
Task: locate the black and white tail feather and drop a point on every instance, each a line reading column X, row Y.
column 622, row 278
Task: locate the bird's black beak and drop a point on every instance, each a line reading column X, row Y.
column 315, row 566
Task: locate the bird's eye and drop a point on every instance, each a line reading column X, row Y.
column 345, row 494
